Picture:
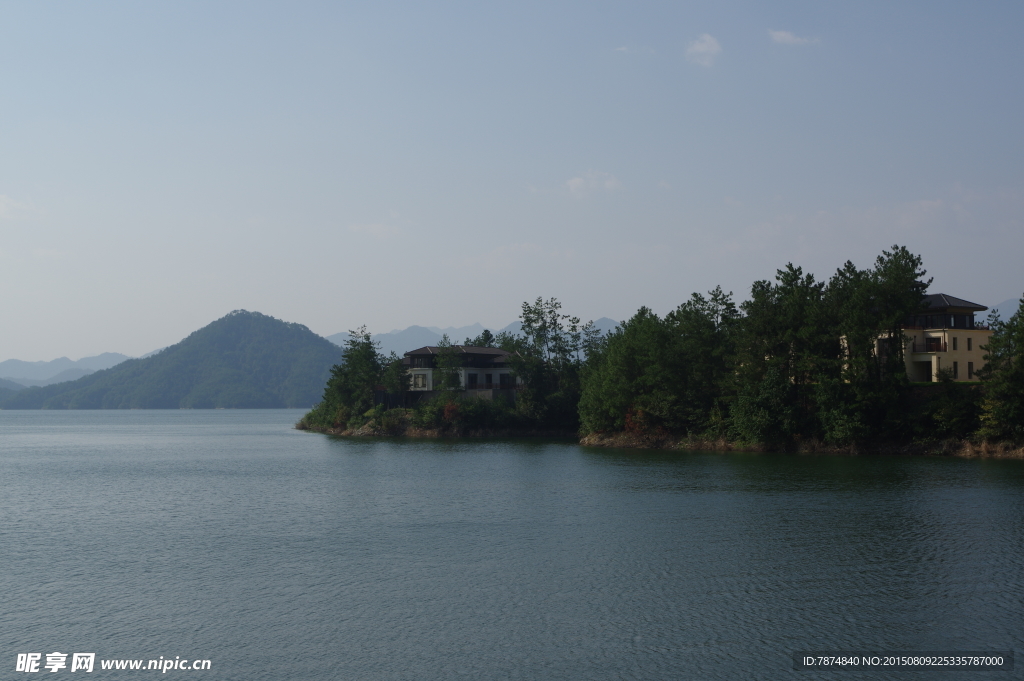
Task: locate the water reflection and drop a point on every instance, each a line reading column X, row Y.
column 323, row 558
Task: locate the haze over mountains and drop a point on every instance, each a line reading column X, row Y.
column 399, row 341
column 1005, row 309
column 243, row 360
column 24, row 374
column 404, row 340
column 57, row 370
column 8, row 388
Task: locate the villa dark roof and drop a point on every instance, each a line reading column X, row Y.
column 937, row 302
column 462, row 349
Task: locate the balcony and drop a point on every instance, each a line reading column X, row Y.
column 976, row 326
column 929, row 345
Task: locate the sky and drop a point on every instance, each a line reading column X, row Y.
column 439, row 163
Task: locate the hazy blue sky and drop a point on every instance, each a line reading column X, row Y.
column 389, row 164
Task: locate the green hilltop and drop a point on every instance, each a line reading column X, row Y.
column 243, row 360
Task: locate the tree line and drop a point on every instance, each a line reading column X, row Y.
column 801, row 359
column 548, row 356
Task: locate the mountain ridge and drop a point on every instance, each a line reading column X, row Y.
column 62, row 377
column 1005, row 309
column 403, row 340
column 242, row 360
column 14, row 369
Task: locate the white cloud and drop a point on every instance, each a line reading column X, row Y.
column 703, row 50
column 592, row 181
column 787, row 38
column 622, row 49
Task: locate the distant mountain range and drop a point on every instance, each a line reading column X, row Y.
column 243, row 360
column 16, row 375
column 8, row 388
column 404, row 340
column 57, row 370
column 1006, row 309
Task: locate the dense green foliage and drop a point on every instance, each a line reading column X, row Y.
column 800, row 360
column 243, row 360
column 448, row 361
column 1003, row 377
column 667, row 373
column 350, row 389
column 548, row 357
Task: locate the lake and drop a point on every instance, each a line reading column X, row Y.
column 279, row 554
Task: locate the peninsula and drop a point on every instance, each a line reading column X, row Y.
column 866, row 361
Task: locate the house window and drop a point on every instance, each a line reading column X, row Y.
column 503, row 380
column 489, row 380
column 956, row 373
column 969, row 344
column 970, row 371
column 472, row 380
column 954, row 342
column 419, row 381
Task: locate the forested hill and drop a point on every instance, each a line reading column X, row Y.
column 8, row 388
column 243, row 360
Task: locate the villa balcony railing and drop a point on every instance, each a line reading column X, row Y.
column 977, row 326
column 936, row 345
column 478, row 386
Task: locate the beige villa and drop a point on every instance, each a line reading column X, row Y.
column 945, row 336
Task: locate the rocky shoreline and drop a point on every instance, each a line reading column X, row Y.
column 371, row 430
column 625, row 440
column 958, row 448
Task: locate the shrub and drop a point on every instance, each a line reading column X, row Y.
column 392, row 421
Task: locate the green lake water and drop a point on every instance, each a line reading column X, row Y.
column 279, row 554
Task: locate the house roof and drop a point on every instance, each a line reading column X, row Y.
column 936, row 302
column 461, row 349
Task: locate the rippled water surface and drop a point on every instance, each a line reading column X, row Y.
column 279, row 554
